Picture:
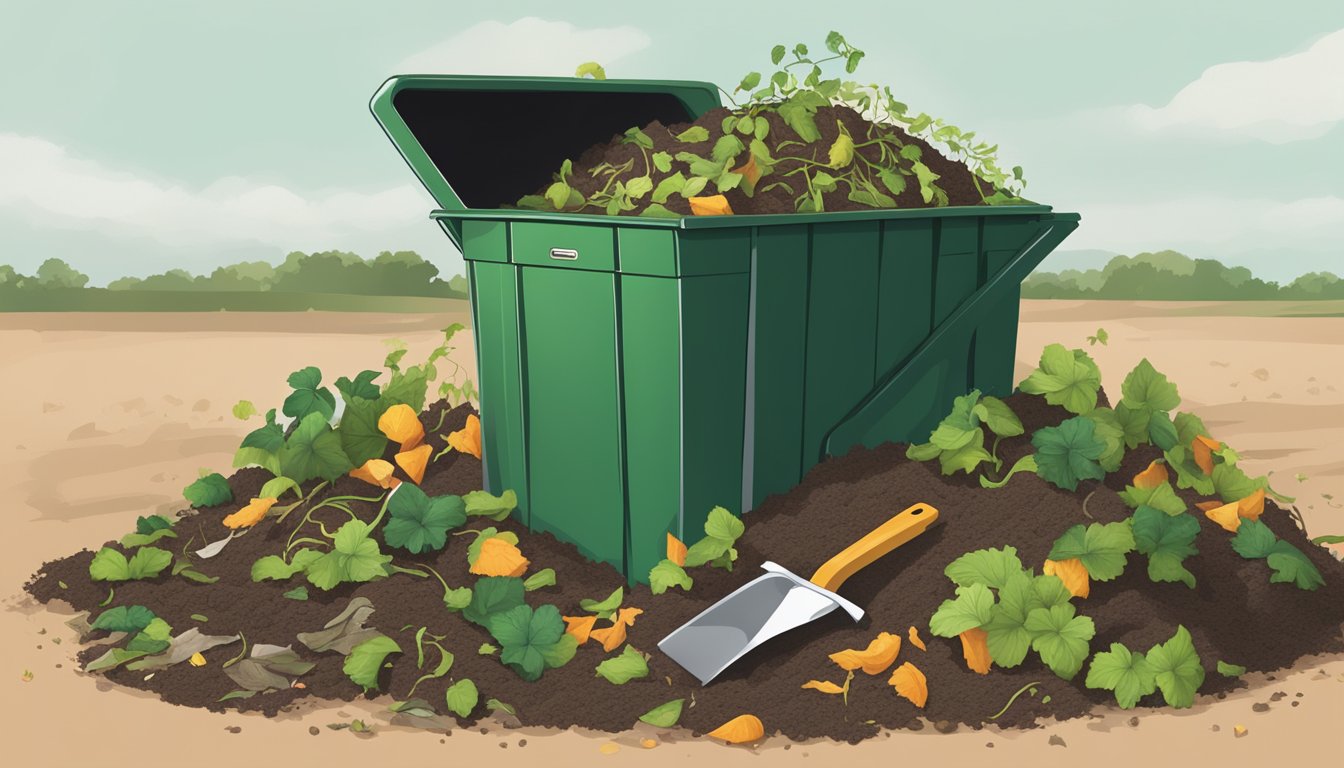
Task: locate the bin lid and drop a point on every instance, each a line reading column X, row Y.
column 480, row 142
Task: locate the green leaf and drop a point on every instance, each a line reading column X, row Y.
column 208, row 491
column 667, row 574
column 1068, row 453
column 991, row 567
column 1177, row 668
column 1145, row 388
column 543, row 578
column 776, row 56
column 462, row 697
column 1134, row 423
column 1161, row 431
column 298, row 593
column 244, row 410
column 664, row 715
column 531, row 640
column 659, row 211
column 638, row 187
column 1188, row 427
column 663, row 162
column 110, row 565
column 128, row 619
column 925, row 452
column 619, row 670
column 1232, row 484
column 407, row 387
column 669, row 186
column 1061, row 638
column 606, row 606
column 1065, row 377
column 1230, row 670
column 276, row 486
column 724, row 525
column 966, row 458
column 307, row 398
column 726, row 148
column 457, row 599
column 151, row 524
column 959, row 428
column 1006, row 633
column 1106, row 426
column 706, row 550
column 366, row 660
column 492, row 595
column 483, row 504
column 998, row 417
column 1167, row 540
column 418, row 523
column 1253, row 540
column 1050, row 591
column 268, row 438
column 693, row 135
column 1292, row 567
column 154, row 638
column 751, row 80
column 362, row 386
column 1162, row 497
column 274, row 567
column 354, row 557
column 1100, row 547
column 969, row 610
column 360, row 437
column 132, row 540
column 247, row 457
column 313, row 450
column 1128, row 674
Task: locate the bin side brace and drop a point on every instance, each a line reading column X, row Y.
column 852, row 429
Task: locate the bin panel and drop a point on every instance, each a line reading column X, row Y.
column 996, row 341
column 905, row 290
column 714, row 251
column 647, row 251
column 573, row 409
column 650, row 355
column 777, row 370
column 957, row 271
column 841, row 327
column 713, row 396
column 569, row 246
column 494, row 301
column 485, row 241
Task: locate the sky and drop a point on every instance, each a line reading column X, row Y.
column 137, row 137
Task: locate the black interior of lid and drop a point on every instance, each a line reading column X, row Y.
column 493, row 147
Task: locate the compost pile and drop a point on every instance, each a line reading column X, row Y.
column 1234, row 614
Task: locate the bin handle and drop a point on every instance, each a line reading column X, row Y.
column 564, row 254
column 851, row 430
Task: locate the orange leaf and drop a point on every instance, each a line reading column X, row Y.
column 875, row 659
column 714, row 205
column 468, row 438
column 910, row 684
column 414, row 461
column 401, row 425
column 376, row 472
column 1153, row 476
column 1208, row 505
column 825, row 686
column 676, row 551
column 1252, row 506
column 579, row 627
column 1226, row 516
column 612, row 637
column 498, row 557
column 975, row 649
column 1203, row 448
column 916, row 641
column 250, row 515
column 740, row 730
column 1072, row 572
column 749, row 169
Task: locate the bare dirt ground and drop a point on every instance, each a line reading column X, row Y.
column 108, row 416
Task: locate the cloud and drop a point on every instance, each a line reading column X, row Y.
column 53, row 188
column 1287, row 99
column 528, row 46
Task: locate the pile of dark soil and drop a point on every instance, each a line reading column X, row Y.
column 955, row 179
column 1234, row 615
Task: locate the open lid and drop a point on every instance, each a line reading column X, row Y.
column 480, row 142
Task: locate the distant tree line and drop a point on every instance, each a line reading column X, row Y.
column 1171, row 276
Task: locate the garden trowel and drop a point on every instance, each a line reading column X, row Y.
column 780, row 600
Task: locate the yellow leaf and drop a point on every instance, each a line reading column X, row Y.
column 975, row 649
column 579, row 627
column 197, row 660
column 1072, row 572
column 825, row 686
column 1152, row 477
column 916, row 641
column 1252, row 506
column 875, row 659
column 676, row 551
column 1226, row 516
column 401, row 425
column 468, row 438
column 250, row 515
column 841, row 153
column 910, row 684
column 749, row 170
column 611, row 637
column 1208, row 505
column 1203, row 448
column 740, row 730
column 499, row 557
column 713, row 205
column 414, row 461
column 376, row 472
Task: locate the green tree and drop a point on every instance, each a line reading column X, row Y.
column 55, row 273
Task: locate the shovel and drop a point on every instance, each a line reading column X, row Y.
column 780, row 600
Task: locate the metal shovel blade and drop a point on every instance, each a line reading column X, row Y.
column 757, row 611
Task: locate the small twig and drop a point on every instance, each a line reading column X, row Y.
column 1087, row 514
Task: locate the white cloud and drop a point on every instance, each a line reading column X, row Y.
column 49, row 186
column 528, row 46
column 1291, row 98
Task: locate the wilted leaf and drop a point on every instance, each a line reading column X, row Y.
column 713, row 205
column 825, row 686
column 612, row 637
column 875, row 659
column 975, row 650
column 1152, row 477
column 910, row 684
column 915, row 639
column 740, row 730
column 1072, row 573
column 499, row 557
column 1202, row 451
column 580, row 627
column 343, row 632
column 401, row 425
column 676, row 550
column 365, row 660
column 664, row 715
column 250, row 515
column 619, row 670
column 414, row 461
column 468, row 438
column 376, row 472
column 1225, row 515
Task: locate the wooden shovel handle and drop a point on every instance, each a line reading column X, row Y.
column 898, row 530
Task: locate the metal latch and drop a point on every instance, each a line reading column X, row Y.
column 568, row 254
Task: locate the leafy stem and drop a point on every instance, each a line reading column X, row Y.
column 1028, row 687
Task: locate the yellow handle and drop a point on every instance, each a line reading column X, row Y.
column 881, row 540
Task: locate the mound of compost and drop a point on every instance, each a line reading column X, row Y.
column 1234, row 614
column 955, row 179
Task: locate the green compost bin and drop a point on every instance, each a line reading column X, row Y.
column 637, row 372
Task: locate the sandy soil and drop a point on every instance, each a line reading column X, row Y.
column 108, row 416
